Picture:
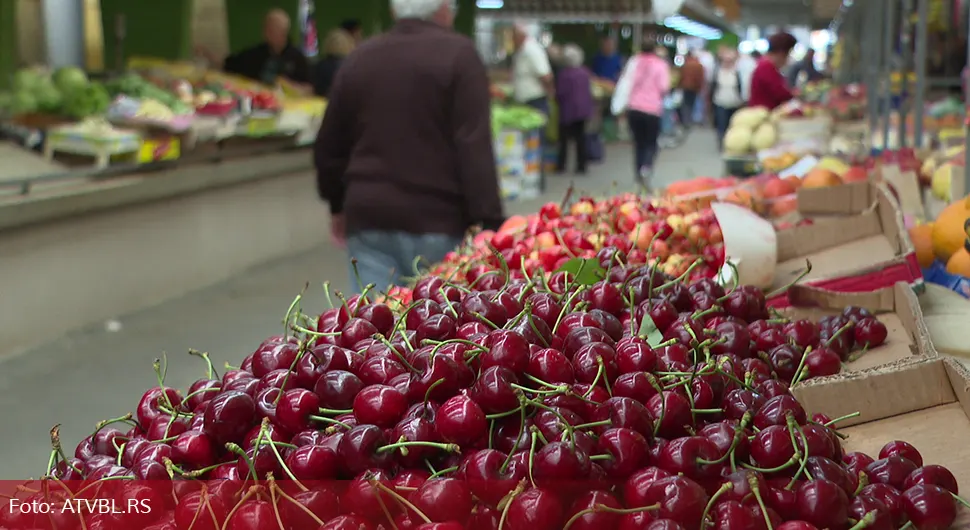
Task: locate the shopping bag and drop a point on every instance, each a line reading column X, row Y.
column 621, row 94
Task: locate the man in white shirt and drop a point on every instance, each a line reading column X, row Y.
column 532, row 80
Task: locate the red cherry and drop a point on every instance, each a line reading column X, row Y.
column 535, row 509
column 903, row 449
column 892, row 470
column 929, row 507
column 294, row 409
column 380, row 405
column 443, row 499
column 869, row 333
column 933, row 474
column 585, row 515
column 822, row 503
column 460, row 420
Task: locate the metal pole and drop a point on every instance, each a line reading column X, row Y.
column 966, row 153
column 922, row 31
column 906, row 42
column 870, row 50
column 887, row 66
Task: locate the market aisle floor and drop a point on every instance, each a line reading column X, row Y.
column 97, row 373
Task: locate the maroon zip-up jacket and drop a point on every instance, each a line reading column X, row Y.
column 406, row 141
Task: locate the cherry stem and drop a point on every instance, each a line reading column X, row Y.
column 127, row 418
column 765, row 471
column 427, row 393
column 863, row 482
column 275, row 489
column 710, row 504
column 840, row 331
column 738, row 436
column 444, row 472
column 450, row 448
column 785, row 288
column 538, row 381
column 264, row 431
column 683, row 276
column 602, row 508
column 600, row 457
column 249, row 493
column 756, row 490
column 855, row 357
column 507, row 502
column 396, row 496
column 335, row 412
column 500, row 415
column 867, row 520
column 239, row 451
column 558, row 390
column 907, row 526
column 210, row 370
column 602, row 423
column 830, row 423
column 293, row 307
column 532, row 454
column 599, row 375
column 960, row 500
column 799, row 372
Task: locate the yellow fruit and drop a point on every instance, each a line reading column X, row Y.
column 949, row 232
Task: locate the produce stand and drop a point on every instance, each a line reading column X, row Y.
column 519, row 158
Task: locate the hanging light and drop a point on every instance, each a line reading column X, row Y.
column 489, row 4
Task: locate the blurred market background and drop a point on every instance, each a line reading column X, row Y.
column 148, row 207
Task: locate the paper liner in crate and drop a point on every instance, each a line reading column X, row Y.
column 130, row 112
column 750, row 246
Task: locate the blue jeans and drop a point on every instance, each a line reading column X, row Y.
column 388, row 258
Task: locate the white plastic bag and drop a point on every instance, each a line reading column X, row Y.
column 621, row 92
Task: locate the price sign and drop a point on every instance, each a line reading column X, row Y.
column 261, row 126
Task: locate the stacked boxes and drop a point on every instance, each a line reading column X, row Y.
column 519, row 157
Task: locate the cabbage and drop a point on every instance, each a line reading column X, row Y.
column 24, row 103
column 27, row 79
column 70, row 78
column 48, row 97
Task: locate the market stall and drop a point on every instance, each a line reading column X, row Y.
column 156, row 112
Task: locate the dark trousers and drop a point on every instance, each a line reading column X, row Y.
column 687, row 108
column 645, row 129
column 722, row 118
column 574, row 132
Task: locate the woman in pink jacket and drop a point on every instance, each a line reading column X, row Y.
column 645, row 108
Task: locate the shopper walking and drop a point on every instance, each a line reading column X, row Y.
column 727, row 93
column 691, row 84
column 644, row 83
column 768, row 87
column 338, row 45
column 404, row 154
column 574, row 94
column 532, row 80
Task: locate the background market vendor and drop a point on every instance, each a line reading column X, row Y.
column 276, row 57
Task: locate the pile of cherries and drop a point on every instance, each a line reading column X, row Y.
column 633, row 402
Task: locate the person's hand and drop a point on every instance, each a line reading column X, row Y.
column 338, row 230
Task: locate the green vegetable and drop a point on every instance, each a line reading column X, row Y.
column 48, row 97
column 24, row 103
column 516, row 117
column 91, row 100
column 27, row 79
column 135, row 86
column 70, row 78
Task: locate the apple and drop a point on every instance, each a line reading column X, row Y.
column 856, row 174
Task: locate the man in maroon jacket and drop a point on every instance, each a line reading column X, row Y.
column 404, row 154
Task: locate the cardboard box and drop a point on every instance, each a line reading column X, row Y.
column 897, row 307
column 924, row 402
column 849, row 253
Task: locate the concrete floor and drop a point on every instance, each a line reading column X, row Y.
column 97, row 373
